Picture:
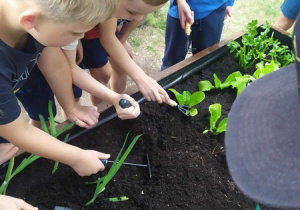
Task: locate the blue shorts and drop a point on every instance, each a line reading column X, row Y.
column 94, row 55
column 36, row 93
column 205, row 33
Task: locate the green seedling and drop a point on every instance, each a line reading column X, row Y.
column 215, row 114
column 52, row 131
column 234, row 80
column 257, row 47
column 103, row 181
column 263, row 68
column 189, row 100
column 10, row 174
column 27, row 161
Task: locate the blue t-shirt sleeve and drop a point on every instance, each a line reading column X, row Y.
column 230, row 2
column 290, row 8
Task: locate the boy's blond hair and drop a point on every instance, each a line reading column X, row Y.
column 90, row 12
column 155, row 2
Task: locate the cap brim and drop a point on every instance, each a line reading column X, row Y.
column 263, row 140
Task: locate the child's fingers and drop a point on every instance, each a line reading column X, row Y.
column 25, row 206
column 81, row 124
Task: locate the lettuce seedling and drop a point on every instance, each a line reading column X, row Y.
column 234, row 80
column 263, row 68
column 103, row 181
column 215, row 114
column 187, row 101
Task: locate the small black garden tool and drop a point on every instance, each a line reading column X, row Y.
column 105, row 162
column 126, row 104
column 188, row 31
column 182, row 108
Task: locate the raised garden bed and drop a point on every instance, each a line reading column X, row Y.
column 189, row 168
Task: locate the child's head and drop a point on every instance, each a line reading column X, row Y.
column 136, row 9
column 68, row 19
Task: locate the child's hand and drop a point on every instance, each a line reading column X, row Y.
column 11, row 203
column 7, row 150
column 126, row 113
column 151, row 89
column 88, row 162
column 185, row 13
column 85, row 116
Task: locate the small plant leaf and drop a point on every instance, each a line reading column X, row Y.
column 205, row 85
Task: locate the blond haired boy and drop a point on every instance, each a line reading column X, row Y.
column 26, row 27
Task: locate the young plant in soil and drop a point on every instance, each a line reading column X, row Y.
column 27, row 161
column 52, row 129
column 260, row 47
column 234, row 80
column 188, row 100
column 103, row 181
column 215, row 113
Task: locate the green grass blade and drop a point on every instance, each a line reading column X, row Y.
column 51, row 119
column 43, row 124
column 63, row 129
column 117, row 199
column 56, row 162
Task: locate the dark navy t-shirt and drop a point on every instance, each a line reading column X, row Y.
column 15, row 67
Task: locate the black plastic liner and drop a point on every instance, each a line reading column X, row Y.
column 171, row 80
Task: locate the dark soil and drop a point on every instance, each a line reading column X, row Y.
column 189, row 168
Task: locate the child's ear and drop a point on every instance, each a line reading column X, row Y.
column 27, row 19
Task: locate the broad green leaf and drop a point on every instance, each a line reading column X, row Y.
column 196, row 98
column 222, row 126
column 179, row 97
column 192, row 112
column 217, row 81
column 215, row 114
column 205, row 85
column 186, row 97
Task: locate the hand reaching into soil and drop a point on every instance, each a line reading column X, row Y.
column 85, row 116
column 11, row 203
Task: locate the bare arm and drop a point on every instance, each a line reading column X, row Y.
column 284, row 22
column 35, row 141
column 55, row 68
column 86, row 82
column 11, row 203
column 148, row 86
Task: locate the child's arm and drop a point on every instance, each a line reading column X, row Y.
column 11, row 203
column 62, row 61
column 148, row 86
column 58, row 75
column 33, row 140
column 125, row 31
